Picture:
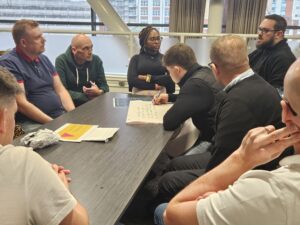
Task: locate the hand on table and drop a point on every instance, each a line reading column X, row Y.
column 62, row 174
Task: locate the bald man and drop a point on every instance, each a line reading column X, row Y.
column 81, row 72
column 231, row 194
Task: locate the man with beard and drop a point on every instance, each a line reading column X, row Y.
column 273, row 56
column 43, row 97
column 80, row 71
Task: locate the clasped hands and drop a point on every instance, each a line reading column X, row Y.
column 93, row 91
column 62, row 174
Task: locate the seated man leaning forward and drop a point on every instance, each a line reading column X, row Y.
column 43, row 97
column 196, row 98
column 80, row 71
column 231, row 194
column 32, row 191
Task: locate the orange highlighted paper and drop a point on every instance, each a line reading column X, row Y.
column 84, row 132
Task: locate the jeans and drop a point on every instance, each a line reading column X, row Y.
column 159, row 214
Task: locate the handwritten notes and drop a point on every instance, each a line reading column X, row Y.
column 142, row 112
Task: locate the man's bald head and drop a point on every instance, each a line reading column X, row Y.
column 80, row 39
column 82, row 48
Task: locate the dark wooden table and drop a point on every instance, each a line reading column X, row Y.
column 105, row 176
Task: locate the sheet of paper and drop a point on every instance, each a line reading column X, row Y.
column 100, row 134
column 84, row 132
column 123, row 102
column 143, row 112
column 73, row 132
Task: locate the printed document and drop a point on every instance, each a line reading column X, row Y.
column 143, row 112
column 85, row 132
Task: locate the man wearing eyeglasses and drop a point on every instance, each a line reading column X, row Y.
column 273, row 56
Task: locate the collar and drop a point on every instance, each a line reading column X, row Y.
column 26, row 57
column 290, row 160
column 189, row 74
column 239, row 78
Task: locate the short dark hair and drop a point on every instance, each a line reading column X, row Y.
column 280, row 24
column 9, row 87
column 181, row 55
column 19, row 28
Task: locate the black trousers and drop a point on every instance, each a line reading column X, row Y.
column 180, row 172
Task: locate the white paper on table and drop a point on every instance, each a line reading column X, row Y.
column 145, row 112
column 100, row 134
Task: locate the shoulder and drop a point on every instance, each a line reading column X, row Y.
column 20, row 158
column 61, row 57
column 44, row 59
column 282, row 51
column 96, row 58
column 135, row 57
column 202, row 77
column 10, row 58
column 245, row 87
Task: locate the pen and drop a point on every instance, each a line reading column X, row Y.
column 158, row 94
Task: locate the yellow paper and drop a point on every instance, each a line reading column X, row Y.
column 74, row 132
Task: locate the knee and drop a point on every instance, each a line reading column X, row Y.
column 168, row 186
column 175, row 164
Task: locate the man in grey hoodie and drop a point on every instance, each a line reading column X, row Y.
column 81, row 72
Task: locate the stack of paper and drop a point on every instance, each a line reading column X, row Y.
column 142, row 112
column 84, row 132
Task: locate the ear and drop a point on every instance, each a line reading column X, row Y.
column 215, row 71
column 73, row 49
column 177, row 69
column 2, row 120
column 279, row 34
column 23, row 42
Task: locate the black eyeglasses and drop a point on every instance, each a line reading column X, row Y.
column 158, row 38
column 290, row 107
column 265, row 30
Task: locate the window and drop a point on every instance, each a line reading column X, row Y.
column 43, row 10
column 167, row 12
column 77, row 13
column 144, row 12
column 156, row 2
column 288, row 9
column 156, row 12
column 144, row 3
